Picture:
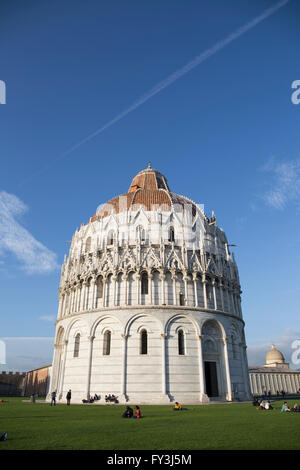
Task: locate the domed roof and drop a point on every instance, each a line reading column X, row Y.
column 274, row 356
column 148, row 188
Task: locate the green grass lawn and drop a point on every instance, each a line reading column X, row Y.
column 229, row 426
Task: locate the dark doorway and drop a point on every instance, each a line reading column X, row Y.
column 211, row 379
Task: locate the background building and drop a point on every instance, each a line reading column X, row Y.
column 149, row 304
column 12, row 383
column 37, row 382
column 275, row 376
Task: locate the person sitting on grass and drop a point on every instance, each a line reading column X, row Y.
column 285, row 407
column 255, row 402
column 262, row 405
column 177, row 406
column 268, row 405
column 295, row 407
column 137, row 413
column 128, row 413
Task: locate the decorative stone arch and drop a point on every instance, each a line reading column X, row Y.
column 60, row 335
column 71, row 324
column 100, row 320
column 183, row 328
column 187, row 317
column 143, row 327
column 215, row 360
column 181, row 351
column 139, row 315
column 212, row 321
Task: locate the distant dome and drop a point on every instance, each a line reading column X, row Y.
column 274, row 356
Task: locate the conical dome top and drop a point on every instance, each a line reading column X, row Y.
column 149, row 179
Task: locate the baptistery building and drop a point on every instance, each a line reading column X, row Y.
column 149, row 304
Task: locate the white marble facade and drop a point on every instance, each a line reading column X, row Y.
column 149, row 305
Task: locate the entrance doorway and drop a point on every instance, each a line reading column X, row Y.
column 211, row 379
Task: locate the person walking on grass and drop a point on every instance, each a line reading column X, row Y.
column 53, row 398
column 68, row 397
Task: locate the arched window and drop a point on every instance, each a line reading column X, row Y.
column 233, row 347
column 76, row 345
column 143, row 342
column 180, row 343
column 140, row 233
column 99, row 287
column 88, row 245
column 144, row 283
column 106, row 343
column 110, row 237
column 171, row 234
column 181, row 298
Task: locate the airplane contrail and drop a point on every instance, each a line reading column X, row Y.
column 179, row 73
column 184, row 70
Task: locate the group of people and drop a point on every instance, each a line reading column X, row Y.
column 262, row 404
column 128, row 413
column 92, row 399
column 111, row 398
column 285, row 407
column 266, row 405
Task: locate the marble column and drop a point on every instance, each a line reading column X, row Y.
column 150, row 296
column 94, row 294
column 62, row 373
column 163, row 369
column 105, row 283
column 138, row 288
column 203, row 396
column 243, row 356
column 204, row 282
column 214, row 293
column 173, row 277
column 227, row 370
column 222, row 295
column 125, row 277
column 90, row 358
column 163, row 294
column 124, row 367
column 114, row 282
column 186, row 299
column 195, row 288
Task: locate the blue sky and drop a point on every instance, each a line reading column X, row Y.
column 226, row 134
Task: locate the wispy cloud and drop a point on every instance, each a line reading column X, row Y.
column 284, row 183
column 33, row 256
column 50, row 318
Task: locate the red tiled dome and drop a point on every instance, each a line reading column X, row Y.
column 148, row 188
